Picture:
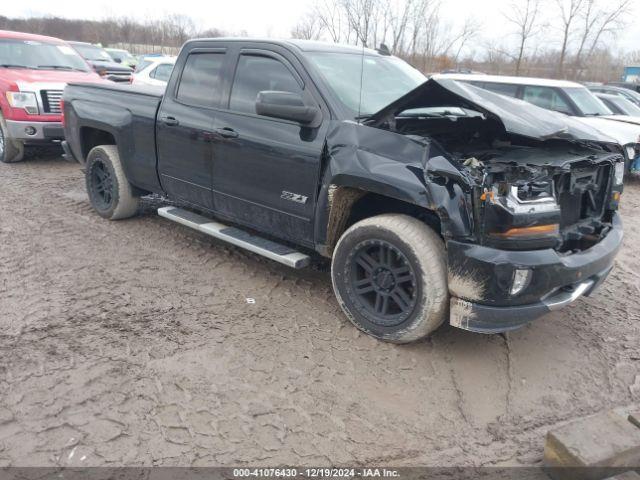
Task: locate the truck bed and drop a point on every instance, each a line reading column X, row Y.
column 128, row 112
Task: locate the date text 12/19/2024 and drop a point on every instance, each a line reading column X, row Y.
column 315, row 472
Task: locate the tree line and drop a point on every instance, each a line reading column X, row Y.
column 571, row 39
column 552, row 38
column 152, row 36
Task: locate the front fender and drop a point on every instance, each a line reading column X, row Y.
column 372, row 160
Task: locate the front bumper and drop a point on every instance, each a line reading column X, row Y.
column 35, row 132
column 480, row 278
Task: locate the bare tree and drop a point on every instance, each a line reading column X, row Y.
column 361, row 19
column 598, row 22
column 308, row 28
column 330, row 17
column 569, row 10
column 524, row 15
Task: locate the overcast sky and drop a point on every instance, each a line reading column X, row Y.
column 271, row 17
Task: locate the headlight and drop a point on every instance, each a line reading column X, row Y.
column 619, row 173
column 522, row 212
column 25, row 100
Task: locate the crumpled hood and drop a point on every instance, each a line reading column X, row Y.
column 517, row 117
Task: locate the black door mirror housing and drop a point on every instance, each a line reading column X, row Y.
column 287, row 106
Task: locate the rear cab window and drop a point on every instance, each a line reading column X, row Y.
column 507, row 89
column 201, row 80
column 256, row 73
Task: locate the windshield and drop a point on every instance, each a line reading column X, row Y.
column 625, row 106
column 91, row 52
column 384, row 79
column 39, row 55
column 588, row 104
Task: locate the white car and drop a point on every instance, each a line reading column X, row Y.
column 154, row 71
column 565, row 97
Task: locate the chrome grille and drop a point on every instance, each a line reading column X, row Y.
column 51, row 100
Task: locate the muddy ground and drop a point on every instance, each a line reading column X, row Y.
column 133, row 343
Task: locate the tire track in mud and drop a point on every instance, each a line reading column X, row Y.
column 132, row 343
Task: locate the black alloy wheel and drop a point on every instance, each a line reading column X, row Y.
column 101, row 184
column 383, row 283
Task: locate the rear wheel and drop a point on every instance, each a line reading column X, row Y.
column 11, row 151
column 110, row 192
column 389, row 275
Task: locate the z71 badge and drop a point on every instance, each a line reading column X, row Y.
column 294, row 197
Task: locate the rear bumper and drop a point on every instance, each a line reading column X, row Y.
column 35, row 132
column 556, row 281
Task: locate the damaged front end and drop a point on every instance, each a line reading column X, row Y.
column 527, row 200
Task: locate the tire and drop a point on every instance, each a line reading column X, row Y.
column 109, row 190
column 11, row 151
column 410, row 261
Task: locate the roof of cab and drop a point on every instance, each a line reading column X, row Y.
column 303, row 45
column 542, row 82
column 28, row 36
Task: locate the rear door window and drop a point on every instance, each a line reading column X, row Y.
column 201, row 80
column 546, row 97
column 502, row 88
column 257, row 73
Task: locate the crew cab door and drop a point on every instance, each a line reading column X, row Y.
column 266, row 170
column 184, row 127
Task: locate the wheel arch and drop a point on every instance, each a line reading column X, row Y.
column 93, row 136
column 349, row 200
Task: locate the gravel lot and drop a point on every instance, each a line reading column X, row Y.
column 133, row 343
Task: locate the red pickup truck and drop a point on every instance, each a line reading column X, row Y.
column 33, row 73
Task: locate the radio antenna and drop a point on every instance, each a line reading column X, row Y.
column 361, row 80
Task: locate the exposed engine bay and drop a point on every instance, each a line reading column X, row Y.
column 526, row 193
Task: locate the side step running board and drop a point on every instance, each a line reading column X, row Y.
column 262, row 246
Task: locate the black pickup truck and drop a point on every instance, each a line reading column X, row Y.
column 435, row 200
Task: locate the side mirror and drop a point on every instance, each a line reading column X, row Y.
column 285, row 105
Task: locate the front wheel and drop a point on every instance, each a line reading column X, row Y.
column 11, row 151
column 110, row 192
column 390, row 278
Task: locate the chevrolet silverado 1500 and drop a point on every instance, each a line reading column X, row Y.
column 435, row 200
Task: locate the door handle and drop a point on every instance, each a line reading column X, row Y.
column 170, row 121
column 227, row 132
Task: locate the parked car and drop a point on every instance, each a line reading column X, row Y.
column 628, row 85
column 632, row 96
column 102, row 62
column 624, row 111
column 620, row 106
column 33, row 73
column 565, row 97
column 122, row 56
column 156, row 71
column 433, row 199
